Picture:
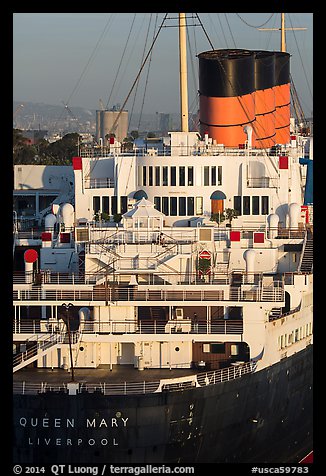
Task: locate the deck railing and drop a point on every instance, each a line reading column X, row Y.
column 224, row 326
column 127, row 294
column 202, row 379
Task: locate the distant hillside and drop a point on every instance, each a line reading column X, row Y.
column 75, row 119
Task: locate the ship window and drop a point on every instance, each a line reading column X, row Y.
column 281, row 342
column 157, row 176
column 246, row 205
column 182, row 206
column 234, row 349
column 190, row 175
column 237, row 204
column 150, row 175
column 165, row 176
column 213, row 175
column 106, row 205
column 165, row 205
column 190, row 205
column 199, row 205
column 219, row 175
column 218, row 348
column 182, row 176
column 140, row 175
column 157, row 203
column 206, row 175
column 173, row 206
column 144, row 175
column 114, row 205
column 96, row 204
column 173, row 175
column 264, row 205
column 255, row 205
column 124, row 204
column 206, row 348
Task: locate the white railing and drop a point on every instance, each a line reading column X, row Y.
column 132, row 388
column 263, row 182
column 105, row 182
column 223, row 326
column 127, row 294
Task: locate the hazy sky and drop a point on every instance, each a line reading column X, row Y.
column 80, row 58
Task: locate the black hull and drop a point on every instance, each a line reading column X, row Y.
column 264, row 417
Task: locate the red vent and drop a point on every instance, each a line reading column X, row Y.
column 64, row 237
column 111, row 140
column 77, row 163
column 46, row 236
column 30, row 256
column 234, row 235
column 283, row 162
column 259, row 237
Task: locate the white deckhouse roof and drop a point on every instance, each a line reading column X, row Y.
column 143, row 214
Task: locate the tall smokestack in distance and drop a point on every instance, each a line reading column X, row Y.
column 264, row 130
column 226, row 88
column 282, row 97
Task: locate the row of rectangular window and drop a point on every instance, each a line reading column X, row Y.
column 294, row 336
column 254, row 205
column 184, row 206
column 167, row 175
column 188, row 206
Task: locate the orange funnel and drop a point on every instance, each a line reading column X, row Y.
column 264, row 127
column 226, row 87
column 282, row 97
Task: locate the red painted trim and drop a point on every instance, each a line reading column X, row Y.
column 309, row 458
column 283, row 162
column 77, row 163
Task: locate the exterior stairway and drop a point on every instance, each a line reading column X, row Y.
column 306, row 265
column 41, row 348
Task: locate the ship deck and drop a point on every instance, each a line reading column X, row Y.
column 118, row 374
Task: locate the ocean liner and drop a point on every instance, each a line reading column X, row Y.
column 182, row 333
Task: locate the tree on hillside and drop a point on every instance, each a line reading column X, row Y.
column 44, row 153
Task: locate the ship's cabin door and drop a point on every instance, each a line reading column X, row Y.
column 217, row 202
column 127, row 353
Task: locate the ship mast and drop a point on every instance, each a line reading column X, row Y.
column 283, row 42
column 283, row 30
column 183, row 73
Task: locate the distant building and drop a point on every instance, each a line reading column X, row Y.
column 105, row 120
column 164, row 123
column 34, row 135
